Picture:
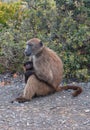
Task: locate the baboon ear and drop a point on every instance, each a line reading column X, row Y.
column 41, row 44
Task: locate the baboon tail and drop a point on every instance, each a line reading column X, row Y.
column 77, row 89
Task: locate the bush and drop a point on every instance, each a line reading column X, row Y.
column 11, row 51
column 11, row 40
column 62, row 24
column 9, row 11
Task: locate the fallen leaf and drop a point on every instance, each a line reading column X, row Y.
column 15, row 75
column 2, row 83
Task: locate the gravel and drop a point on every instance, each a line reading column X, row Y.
column 59, row 111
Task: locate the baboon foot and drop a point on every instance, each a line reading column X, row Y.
column 20, row 100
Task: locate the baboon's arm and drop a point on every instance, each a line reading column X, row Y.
column 44, row 74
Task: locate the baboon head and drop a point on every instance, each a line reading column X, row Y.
column 33, row 46
column 28, row 65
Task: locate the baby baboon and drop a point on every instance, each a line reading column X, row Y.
column 48, row 69
column 28, row 69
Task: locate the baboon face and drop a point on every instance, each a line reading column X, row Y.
column 33, row 46
column 28, row 65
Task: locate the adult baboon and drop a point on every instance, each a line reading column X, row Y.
column 48, row 69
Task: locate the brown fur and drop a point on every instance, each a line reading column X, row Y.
column 48, row 69
column 77, row 89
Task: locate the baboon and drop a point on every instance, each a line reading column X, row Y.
column 28, row 70
column 48, row 68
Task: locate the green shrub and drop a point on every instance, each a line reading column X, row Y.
column 11, row 11
column 62, row 25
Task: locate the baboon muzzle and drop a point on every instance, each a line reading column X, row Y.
column 28, row 50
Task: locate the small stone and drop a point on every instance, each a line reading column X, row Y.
column 87, row 110
column 27, row 123
column 64, row 121
column 86, row 122
column 44, row 123
column 73, row 82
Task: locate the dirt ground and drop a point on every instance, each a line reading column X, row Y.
column 59, row 111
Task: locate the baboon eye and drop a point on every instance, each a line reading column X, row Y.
column 29, row 44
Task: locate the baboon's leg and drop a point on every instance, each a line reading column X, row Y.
column 34, row 87
column 29, row 90
column 43, row 89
